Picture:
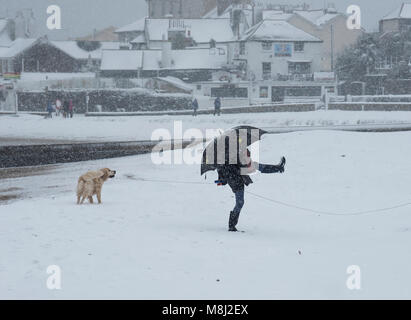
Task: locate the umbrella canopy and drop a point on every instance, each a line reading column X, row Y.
column 230, row 148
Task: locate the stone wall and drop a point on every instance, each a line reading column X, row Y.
column 111, row 100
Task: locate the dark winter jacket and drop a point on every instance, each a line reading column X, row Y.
column 231, row 174
column 217, row 103
column 195, row 104
column 50, row 108
column 66, row 106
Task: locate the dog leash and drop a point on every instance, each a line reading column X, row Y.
column 386, row 210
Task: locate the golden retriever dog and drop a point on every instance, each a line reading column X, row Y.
column 91, row 183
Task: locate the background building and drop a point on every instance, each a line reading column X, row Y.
column 179, row 8
column 398, row 20
column 329, row 25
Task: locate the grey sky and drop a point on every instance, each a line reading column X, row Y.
column 80, row 17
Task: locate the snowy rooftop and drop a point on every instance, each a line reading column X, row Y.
column 276, row 15
column 72, row 49
column 273, row 30
column 16, row 47
column 139, row 39
column 201, row 30
column 121, row 60
column 69, row 47
column 134, row 26
column 178, row 83
column 402, row 12
column 317, row 17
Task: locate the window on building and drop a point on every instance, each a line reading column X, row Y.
column 263, row 92
column 242, row 48
column 229, row 92
column 299, row 68
column 298, row 46
column 266, row 70
column 330, row 89
column 266, row 46
column 303, row 91
column 221, row 51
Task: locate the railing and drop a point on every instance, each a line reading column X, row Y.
column 295, row 77
column 288, row 77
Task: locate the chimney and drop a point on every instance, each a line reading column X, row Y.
column 166, row 53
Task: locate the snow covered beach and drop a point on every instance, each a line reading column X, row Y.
column 161, row 230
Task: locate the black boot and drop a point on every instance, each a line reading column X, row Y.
column 232, row 222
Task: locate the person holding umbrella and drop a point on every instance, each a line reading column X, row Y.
column 218, row 156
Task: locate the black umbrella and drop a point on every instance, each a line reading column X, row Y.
column 230, row 147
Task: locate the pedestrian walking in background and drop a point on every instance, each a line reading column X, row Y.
column 217, row 106
column 50, row 110
column 71, row 108
column 194, row 105
column 65, row 109
column 58, row 107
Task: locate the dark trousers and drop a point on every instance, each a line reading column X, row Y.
column 235, row 214
column 239, row 201
column 268, row 168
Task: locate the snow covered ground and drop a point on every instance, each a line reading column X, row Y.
column 141, row 128
column 168, row 240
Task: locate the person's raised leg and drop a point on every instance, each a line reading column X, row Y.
column 269, row 168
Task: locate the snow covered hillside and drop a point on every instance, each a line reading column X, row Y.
column 167, row 238
column 141, row 128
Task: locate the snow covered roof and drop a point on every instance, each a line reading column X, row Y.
column 201, row 30
column 139, row 39
column 188, row 59
column 69, row 47
column 402, row 12
column 134, row 26
column 277, row 30
column 177, row 83
column 121, row 60
column 276, row 15
column 16, row 47
column 72, row 49
column 317, row 17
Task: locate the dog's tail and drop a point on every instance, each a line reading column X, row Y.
column 80, row 186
